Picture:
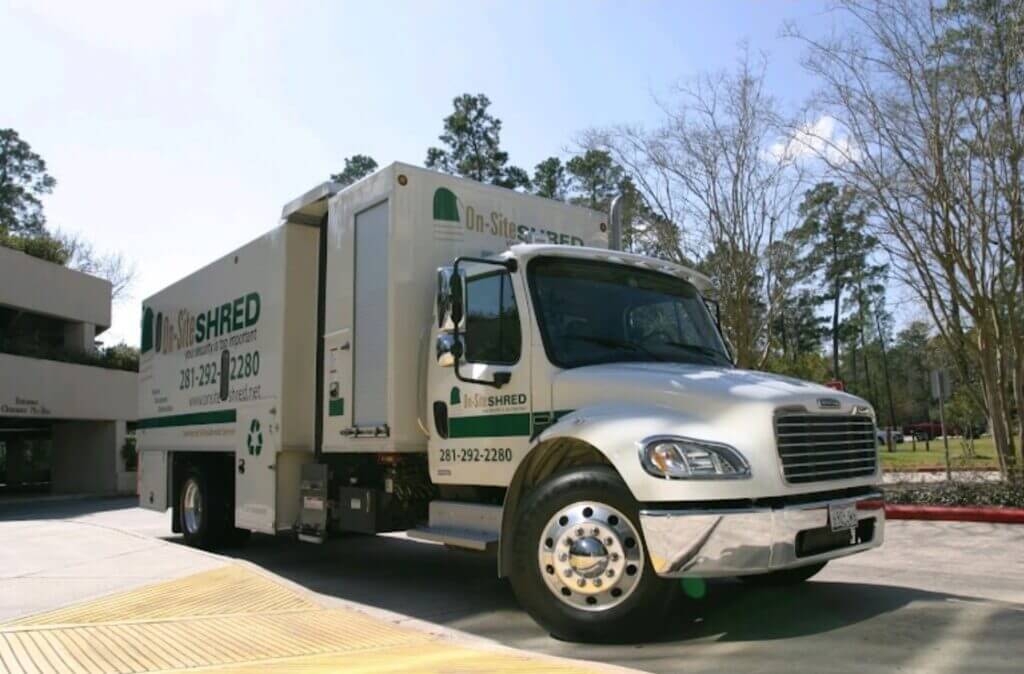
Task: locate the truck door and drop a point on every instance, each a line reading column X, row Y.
column 256, row 448
column 480, row 431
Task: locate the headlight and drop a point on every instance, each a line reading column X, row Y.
column 673, row 457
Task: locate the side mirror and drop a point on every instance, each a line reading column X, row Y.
column 450, row 300
column 457, row 295
column 444, row 277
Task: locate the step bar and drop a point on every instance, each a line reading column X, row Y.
column 473, row 526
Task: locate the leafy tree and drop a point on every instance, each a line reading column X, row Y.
column 515, row 177
column 596, row 178
column 357, row 166
column 911, row 371
column 23, row 179
column 550, row 180
column 835, row 248
column 798, row 327
column 472, row 139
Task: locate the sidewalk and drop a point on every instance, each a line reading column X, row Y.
column 234, row 619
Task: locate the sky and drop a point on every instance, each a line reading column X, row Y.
column 177, row 130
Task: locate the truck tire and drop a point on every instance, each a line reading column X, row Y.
column 578, row 562
column 204, row 516
column 784, row 577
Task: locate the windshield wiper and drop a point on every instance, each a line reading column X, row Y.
column 700, row 348
column 617, row 344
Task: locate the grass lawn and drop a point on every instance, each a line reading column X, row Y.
column 904, row 458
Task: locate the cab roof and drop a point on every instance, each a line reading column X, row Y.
column 526, row 251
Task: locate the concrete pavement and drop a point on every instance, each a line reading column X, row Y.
column 938, row 597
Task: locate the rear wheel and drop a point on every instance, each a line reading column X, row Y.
column 579, row 566
column 203, row 513
column 784, row 577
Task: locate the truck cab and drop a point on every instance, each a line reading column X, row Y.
column 596, row 386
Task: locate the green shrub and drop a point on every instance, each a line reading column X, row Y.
column 980, row 493
column 117, row 357
column 129, row 454
column 44, row 247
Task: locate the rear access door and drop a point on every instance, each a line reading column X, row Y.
column 370, row 319
column 356, row 352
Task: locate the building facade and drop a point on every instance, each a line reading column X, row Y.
column 63, row 424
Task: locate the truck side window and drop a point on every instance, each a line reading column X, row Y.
column 492, row 320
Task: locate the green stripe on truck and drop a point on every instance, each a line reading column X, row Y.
column 190, row 419
column 489, row 425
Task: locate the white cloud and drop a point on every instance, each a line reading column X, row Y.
column 821, row 138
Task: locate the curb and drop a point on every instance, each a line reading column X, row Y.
column 995, row 514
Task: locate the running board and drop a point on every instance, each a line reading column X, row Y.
column 474, row 526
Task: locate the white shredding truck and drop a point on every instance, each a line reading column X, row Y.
column 482, row 368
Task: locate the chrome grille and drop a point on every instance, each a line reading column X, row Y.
column 819, row 447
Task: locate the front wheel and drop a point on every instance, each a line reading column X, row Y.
column 579, row 566
column 784, row 577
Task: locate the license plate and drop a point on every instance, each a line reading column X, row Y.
column 842, row 516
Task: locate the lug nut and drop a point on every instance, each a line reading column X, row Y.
column 568, row 573
column 595, row 531
column 608, row 541
column 611, row 573
column 614, row 557
column 568, row 541
column 563, row 557
column 598, row 582
column 580, row 582
column 579, row 532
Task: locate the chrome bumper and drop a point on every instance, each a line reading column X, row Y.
column 738, row 542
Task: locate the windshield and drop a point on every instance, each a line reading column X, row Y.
column 593, row 312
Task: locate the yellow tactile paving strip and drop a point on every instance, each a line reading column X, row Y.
column 236, row 621
column 225, row 590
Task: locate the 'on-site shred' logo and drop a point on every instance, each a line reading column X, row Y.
column 450, row 225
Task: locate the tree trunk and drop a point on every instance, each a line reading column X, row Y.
column 885, row 370
column 835, row 335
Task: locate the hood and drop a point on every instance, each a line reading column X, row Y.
column 702, row 390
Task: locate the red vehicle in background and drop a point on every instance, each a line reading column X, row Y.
column 925, row 430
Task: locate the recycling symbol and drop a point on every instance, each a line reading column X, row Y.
column 254, row 441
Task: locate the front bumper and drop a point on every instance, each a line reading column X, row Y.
column 745, row 541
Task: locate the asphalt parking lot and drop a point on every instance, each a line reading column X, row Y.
column 938, row 597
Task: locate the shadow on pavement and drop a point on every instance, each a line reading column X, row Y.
column 49, row 507
column 722, row 625
column 460, row 589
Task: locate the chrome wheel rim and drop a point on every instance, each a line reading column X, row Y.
column 591, row 556
column 192, row 507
